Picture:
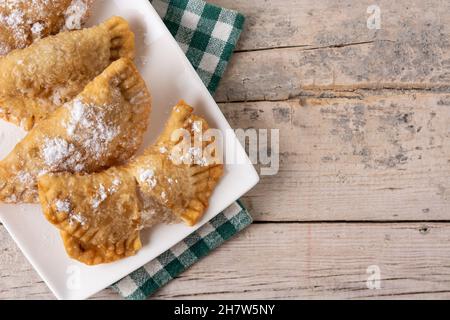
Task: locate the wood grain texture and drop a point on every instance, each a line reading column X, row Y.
column 310, row 261
column 311, row 24
column 384, row 157
column 364, row 119
column 282, row 74
column 318, row 45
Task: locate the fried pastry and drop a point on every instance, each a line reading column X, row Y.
column 102, row 127
column 181, row 170
column 37, row 80
column 99, row 215
column 23, row 21
column 103, row 198
column 91, row 211
column 93, row 255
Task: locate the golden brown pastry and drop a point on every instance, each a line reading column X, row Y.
column 93, row 255
column 36, row 80
column 100, row 215
column 179, row 175
column 23, row 21
column 103, row 126
column 90, row 235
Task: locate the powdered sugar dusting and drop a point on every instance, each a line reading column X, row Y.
column 163, row 150
column 103, row 193
column 14, row 21
column 83, row 138
column 153, row 212
column 193, row 155
column 58, row 155
column 25, row 178
column 87, row 144
column 55, row 151
column 148, row 176
column 77, row 217
column 62, row 205
column 75, row 14
column 37, row 29
column 25, row 20
column 100, row 197
column 197, row 127
column 89, row 127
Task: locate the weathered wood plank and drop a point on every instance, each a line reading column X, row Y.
column 280, row 74
column 301, row 261
column 411, row 51
column 383, row 157
column 310, row 23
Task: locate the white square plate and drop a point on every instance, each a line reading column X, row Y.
column 170, row 77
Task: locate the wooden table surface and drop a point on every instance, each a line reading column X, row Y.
column 364, row 119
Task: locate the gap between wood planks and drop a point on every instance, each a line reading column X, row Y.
column 306, row 222
column 338, row 91
column 308, row 47
column 387, row 222
column 309, row 261
column 361, row 93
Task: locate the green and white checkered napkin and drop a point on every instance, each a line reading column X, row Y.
column 208, row 35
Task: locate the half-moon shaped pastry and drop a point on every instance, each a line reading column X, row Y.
column 105, row 226
column 102, row 127
column 23, row 21
column 37, row 80
column 92, row 210
column 181, row 170
column 102, row 217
